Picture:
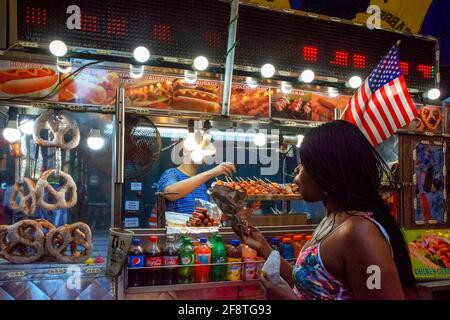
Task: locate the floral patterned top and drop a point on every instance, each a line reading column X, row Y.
column 313, row 281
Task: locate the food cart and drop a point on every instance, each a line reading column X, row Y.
column 131, row 117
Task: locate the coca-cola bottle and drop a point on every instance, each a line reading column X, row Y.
column 153, row 259
column 170, row 258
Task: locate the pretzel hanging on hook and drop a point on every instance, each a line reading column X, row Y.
column 60, row 195
column 23, row 197
column 60, row 124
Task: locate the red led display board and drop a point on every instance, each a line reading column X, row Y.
column 187, row 28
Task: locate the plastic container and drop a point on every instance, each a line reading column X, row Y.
column 249, row 257
column 136, row 277
column 153, row 259
column 276, row 244
column 186, row 256
column 259, row 264
column 297, row 244
column 218, row 255
column 202, row 257
column 234, row 255
column 287, row 251
column 170, row 261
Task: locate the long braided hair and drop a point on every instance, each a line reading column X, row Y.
column 347, row 167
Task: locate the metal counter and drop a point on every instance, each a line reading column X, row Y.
column 53, row 281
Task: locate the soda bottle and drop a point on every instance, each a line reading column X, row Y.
column 186, row 256
column 202, row 256
column 297, row 244
column 276, row 244
column 249, row 257
column 219, row 255
column 135, row 259
column 170, row 258
column 307, row 238
column 153, row 259
column 287, row 251
column 234, row 254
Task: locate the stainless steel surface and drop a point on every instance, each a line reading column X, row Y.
column 193, row 286
column 55, row 282
column 120, row 135
column 227, row 231
column 231, row 48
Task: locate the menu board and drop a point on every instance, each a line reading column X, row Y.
column 90, row 86
column 163, row 92
column 306, row 105
column 430, row 253
column 23, row 79
column 429, row 119
column 246, row 100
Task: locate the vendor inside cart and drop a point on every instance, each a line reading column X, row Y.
column 186, row 185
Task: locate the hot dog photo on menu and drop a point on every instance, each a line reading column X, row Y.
column 26, row 79
column 90, row 86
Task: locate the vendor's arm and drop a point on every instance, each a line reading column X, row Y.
column 183, row 188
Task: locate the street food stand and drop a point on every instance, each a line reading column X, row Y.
column 142, row 111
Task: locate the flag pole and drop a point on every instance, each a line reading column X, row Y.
column 346, row 108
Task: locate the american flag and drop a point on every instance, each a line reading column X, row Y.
column 382, row 104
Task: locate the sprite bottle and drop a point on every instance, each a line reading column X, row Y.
column 186, row 258
column 218, row 255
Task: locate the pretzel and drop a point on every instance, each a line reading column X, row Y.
column 60, row 239
column 431, row 117
column 22, row 242
column 27, row 199
column 3, row 241
column 45, row 225
column 60, row 124
column 59, row 196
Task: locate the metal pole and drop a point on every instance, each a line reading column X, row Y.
column 232, row 29
column 118, row 156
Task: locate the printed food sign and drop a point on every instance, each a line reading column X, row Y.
column 160, row 92
column 430, row 253
column 249, row 101
column 91, row 86
column 23, row 79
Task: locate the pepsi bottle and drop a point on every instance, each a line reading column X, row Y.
column 135, row 260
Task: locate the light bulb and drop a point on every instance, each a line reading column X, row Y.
column 190, row 76
column 136, row 72
column 333, row 92
column 58, row 48
column 95, row 140
column 197, row 156
column 251, row 82
column 355, row 82
column 307, row 76
column 190, row 143
column 299, row 140
column 11, row 133
column 260, row 139
column 141, row 54
column 267, row 70
column 26, row 126
column 286, row 87
column 434, row 94
column 201, row 63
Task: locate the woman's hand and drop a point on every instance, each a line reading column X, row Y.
column 254, row 239
column 277, row 292
column 225, row 168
